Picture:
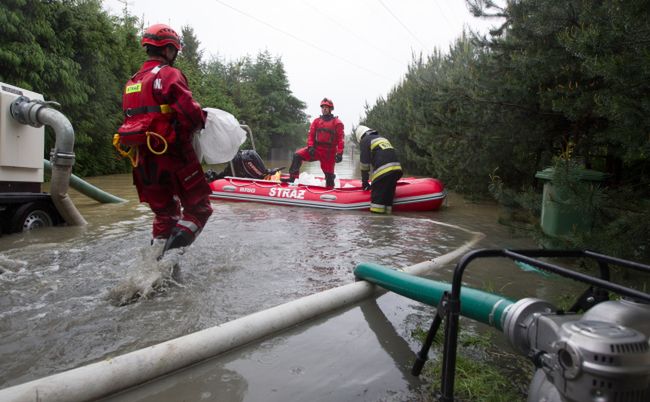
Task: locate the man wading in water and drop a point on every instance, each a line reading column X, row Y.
column 160, row 119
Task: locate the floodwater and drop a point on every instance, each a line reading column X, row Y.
column 55, row 313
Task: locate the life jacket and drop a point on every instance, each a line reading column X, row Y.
column 143, row 115
column 325, row 133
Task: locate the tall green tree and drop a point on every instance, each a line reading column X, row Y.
column 261, row 98
column 282, row 116
column 189, row 60
column 555, row 79
column 102, row 55
column 191, row 53
column 214, row 89
column 71, row 52
column 584, row 65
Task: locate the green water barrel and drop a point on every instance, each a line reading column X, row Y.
column 559, row 216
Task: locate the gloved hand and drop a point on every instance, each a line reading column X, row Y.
column 339, row 158
column 312, row 151
column 365, row 185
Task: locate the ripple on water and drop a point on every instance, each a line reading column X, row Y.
column 56, row 310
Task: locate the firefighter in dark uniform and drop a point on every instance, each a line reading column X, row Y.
column 380, row 165
column 160, row 118
column 325, row 143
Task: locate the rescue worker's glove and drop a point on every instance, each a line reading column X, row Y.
column 365, row 185
column 339, row 158
column 312, row 151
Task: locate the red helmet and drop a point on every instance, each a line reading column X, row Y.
column 327, row 102
column 160, row 35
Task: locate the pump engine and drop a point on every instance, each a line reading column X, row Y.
column 22, row 204
column 603, row 355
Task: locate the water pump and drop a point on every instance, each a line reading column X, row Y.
column 603, row 355
column 598, row 351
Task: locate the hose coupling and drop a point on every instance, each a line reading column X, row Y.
column 59, row 158
column 25, row 111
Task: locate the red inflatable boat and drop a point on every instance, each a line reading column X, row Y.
column 411, row 194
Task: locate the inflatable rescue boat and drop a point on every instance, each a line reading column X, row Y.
column 411, row 194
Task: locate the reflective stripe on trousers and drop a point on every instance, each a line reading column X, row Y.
column 189, row 226
column 378, row 208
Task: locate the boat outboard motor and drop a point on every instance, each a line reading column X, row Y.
column 247, row 164
column 603, row 355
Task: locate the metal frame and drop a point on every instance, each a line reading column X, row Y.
column 450, row 311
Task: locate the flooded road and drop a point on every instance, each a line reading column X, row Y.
column 55, row 314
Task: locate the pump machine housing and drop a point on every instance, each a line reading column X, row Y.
column 23, row 205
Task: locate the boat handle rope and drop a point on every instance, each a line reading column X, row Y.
column 256, row 183
column 230, row 179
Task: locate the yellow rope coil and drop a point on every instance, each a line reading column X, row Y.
column 152, row 134
column 132, row 152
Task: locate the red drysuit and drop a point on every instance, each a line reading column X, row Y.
column 157, row 99
column 327, row 138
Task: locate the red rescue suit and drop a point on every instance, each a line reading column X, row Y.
column 327, row 137
column 157, row 99
column 143, row 114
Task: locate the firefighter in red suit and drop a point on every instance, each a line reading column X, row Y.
column 160, row 120
column 325, row 143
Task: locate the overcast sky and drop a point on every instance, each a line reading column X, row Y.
column 351, row 51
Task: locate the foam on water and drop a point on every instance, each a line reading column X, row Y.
column 10, row 265
column 149, row 274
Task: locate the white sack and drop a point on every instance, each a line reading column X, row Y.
column 307, row 179
column 221, row 138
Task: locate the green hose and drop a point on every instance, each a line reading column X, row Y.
column 86, row 188
column 478, row 305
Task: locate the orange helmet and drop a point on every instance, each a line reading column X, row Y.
column 160, row 35
column 327, row 102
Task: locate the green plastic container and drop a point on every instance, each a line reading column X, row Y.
column 559, row 217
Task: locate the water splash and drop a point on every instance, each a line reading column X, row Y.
column 10, row 265
column 151, row 273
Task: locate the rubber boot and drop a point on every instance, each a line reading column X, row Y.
column 294, row 169
column 178, row 238
column 329, row 180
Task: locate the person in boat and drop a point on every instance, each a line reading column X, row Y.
column 325, row 143
column 380, row 165
column 160, row 119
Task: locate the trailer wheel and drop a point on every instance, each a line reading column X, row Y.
column 33, row 215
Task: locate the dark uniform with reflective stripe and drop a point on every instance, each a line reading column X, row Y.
column 379, row 163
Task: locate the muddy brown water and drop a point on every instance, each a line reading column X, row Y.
column 55, row 315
